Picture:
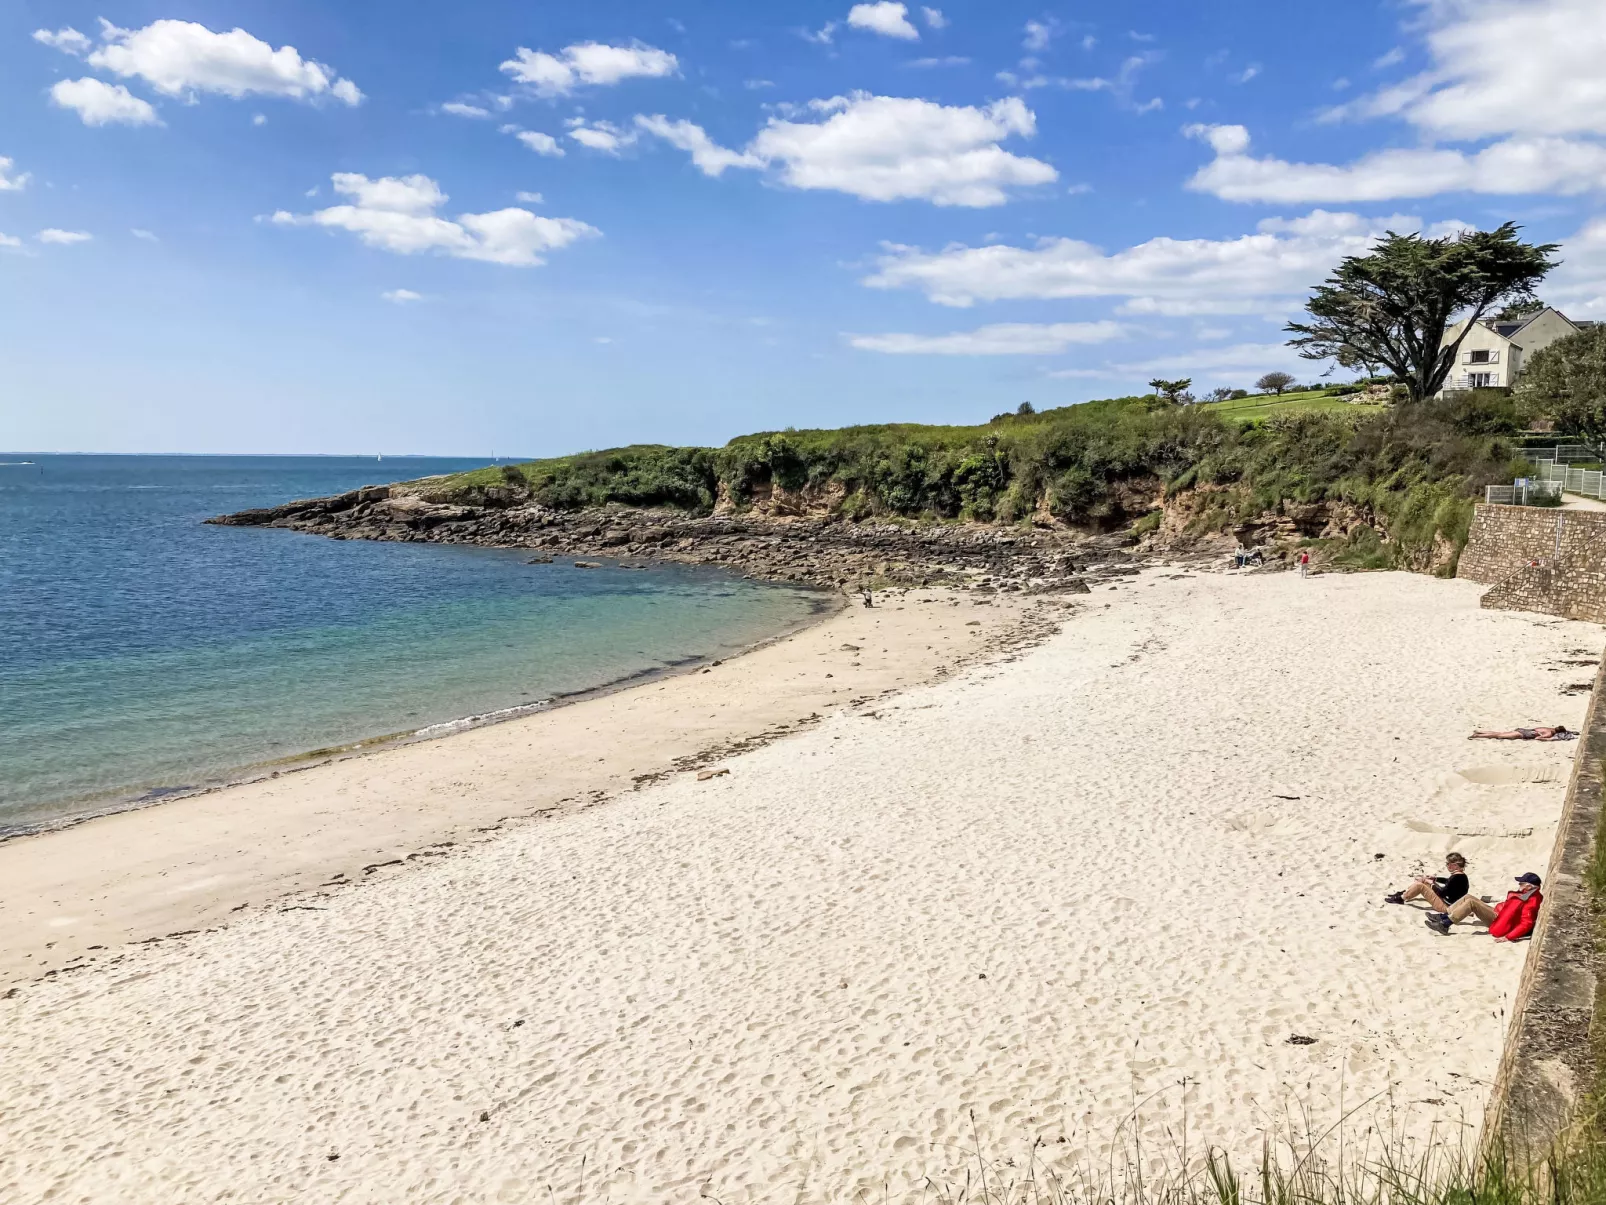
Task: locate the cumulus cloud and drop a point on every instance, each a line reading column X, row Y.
column 397, row 214
column 400, row 296
column 68, row 40
column 1260, row 273
column 182, row 58
column 1038, row 35
column 98, row 103
column 10, row 240
column 1000, row 339
column 541, row 144
column 882, row 148
column 458, row 108
column 1504, row 67
column 63, row 238
column 934, row 18
column 588, row 63
column 601, row 136
column 886, row 18
column 1511, row 167
column 1578, row 286
column 709, row 157
column 10, row 179
column 144, row 235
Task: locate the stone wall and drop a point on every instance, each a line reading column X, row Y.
column 1550, row 1071
column 1539, row 559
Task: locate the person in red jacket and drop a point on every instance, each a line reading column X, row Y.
column 1512, row 921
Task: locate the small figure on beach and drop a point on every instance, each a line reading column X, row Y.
column 1440, row 892
column 1558, row 733
column 1511, row 921
column 1304, row 562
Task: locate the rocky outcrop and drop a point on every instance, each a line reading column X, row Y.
column 771, row 541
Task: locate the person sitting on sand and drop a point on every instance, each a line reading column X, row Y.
column 1512, row 921
column 1439, row 893
column 1558, row 733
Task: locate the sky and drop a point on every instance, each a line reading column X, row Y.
column 521, row 229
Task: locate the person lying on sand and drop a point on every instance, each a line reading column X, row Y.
column 1558, row 733
column 1440, row 892
column 1512, row 921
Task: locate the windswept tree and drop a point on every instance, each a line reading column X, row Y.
column 1567, row 382
column 1171, row 391
column 1274, row 382
column 1392, row 305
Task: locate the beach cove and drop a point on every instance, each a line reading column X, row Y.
column 1119, row 871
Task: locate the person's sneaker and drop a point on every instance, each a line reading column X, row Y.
column 1397, row 898
column 1439, row 923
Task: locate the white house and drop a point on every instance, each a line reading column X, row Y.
column 1495, row 349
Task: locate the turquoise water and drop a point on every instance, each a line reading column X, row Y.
column 143, row 652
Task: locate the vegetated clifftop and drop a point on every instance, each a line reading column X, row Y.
column 1382, row 490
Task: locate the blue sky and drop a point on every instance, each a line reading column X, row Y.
column 518, row 229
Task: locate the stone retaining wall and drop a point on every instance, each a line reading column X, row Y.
column 1539, row 559
column 1551, row 1067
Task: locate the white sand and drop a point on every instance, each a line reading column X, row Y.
column 997, row 909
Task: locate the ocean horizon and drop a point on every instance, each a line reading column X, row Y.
column 146, row 654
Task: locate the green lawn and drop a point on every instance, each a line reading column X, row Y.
column 1249, row 409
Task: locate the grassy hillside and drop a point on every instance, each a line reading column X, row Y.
column 1262, row 406
column 1415, row 469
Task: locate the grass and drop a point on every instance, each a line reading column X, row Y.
column 1263, row 406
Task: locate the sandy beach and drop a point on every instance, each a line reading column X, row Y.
column 1130, row 869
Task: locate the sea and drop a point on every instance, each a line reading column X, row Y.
column 144, row 653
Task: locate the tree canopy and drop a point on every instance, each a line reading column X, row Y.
column 1567, row 382
column 1172, row 391
column 1274, row 382
column 1393, row 305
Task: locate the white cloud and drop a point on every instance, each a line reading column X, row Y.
column 934, row 18
column 1390, row 59
column 68, row 40
column 398, row 215
column 8, row 181
column 98, row 103
column 10, row 240
column 529, row 198
column 884, row 17
column 1224, row 363
column 1515, row 166
column 146, row 235
column 1261, row 273
column 1001, row 339
column 63, row 238
column 883, row 148
column 601, row 136
column 1247, row 74
column 259, row 119
column 459, row 108
column 400, row 296
column 1578, row 286
column 1505, row 67
column 711, row 158
column 823, row 37
column 588, row 63
column 951, row 60
column 1038, row 35
column 541, row 144
column 180, row 58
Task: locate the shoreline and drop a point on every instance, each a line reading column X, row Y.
column 296, row 763
column 86, row 890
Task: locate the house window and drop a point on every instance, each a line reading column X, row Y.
column 1479, row 380
column 1479, row 357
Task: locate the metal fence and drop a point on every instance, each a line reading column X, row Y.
column 1527, row 491
column 1589, row 483
column 1561, row 453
